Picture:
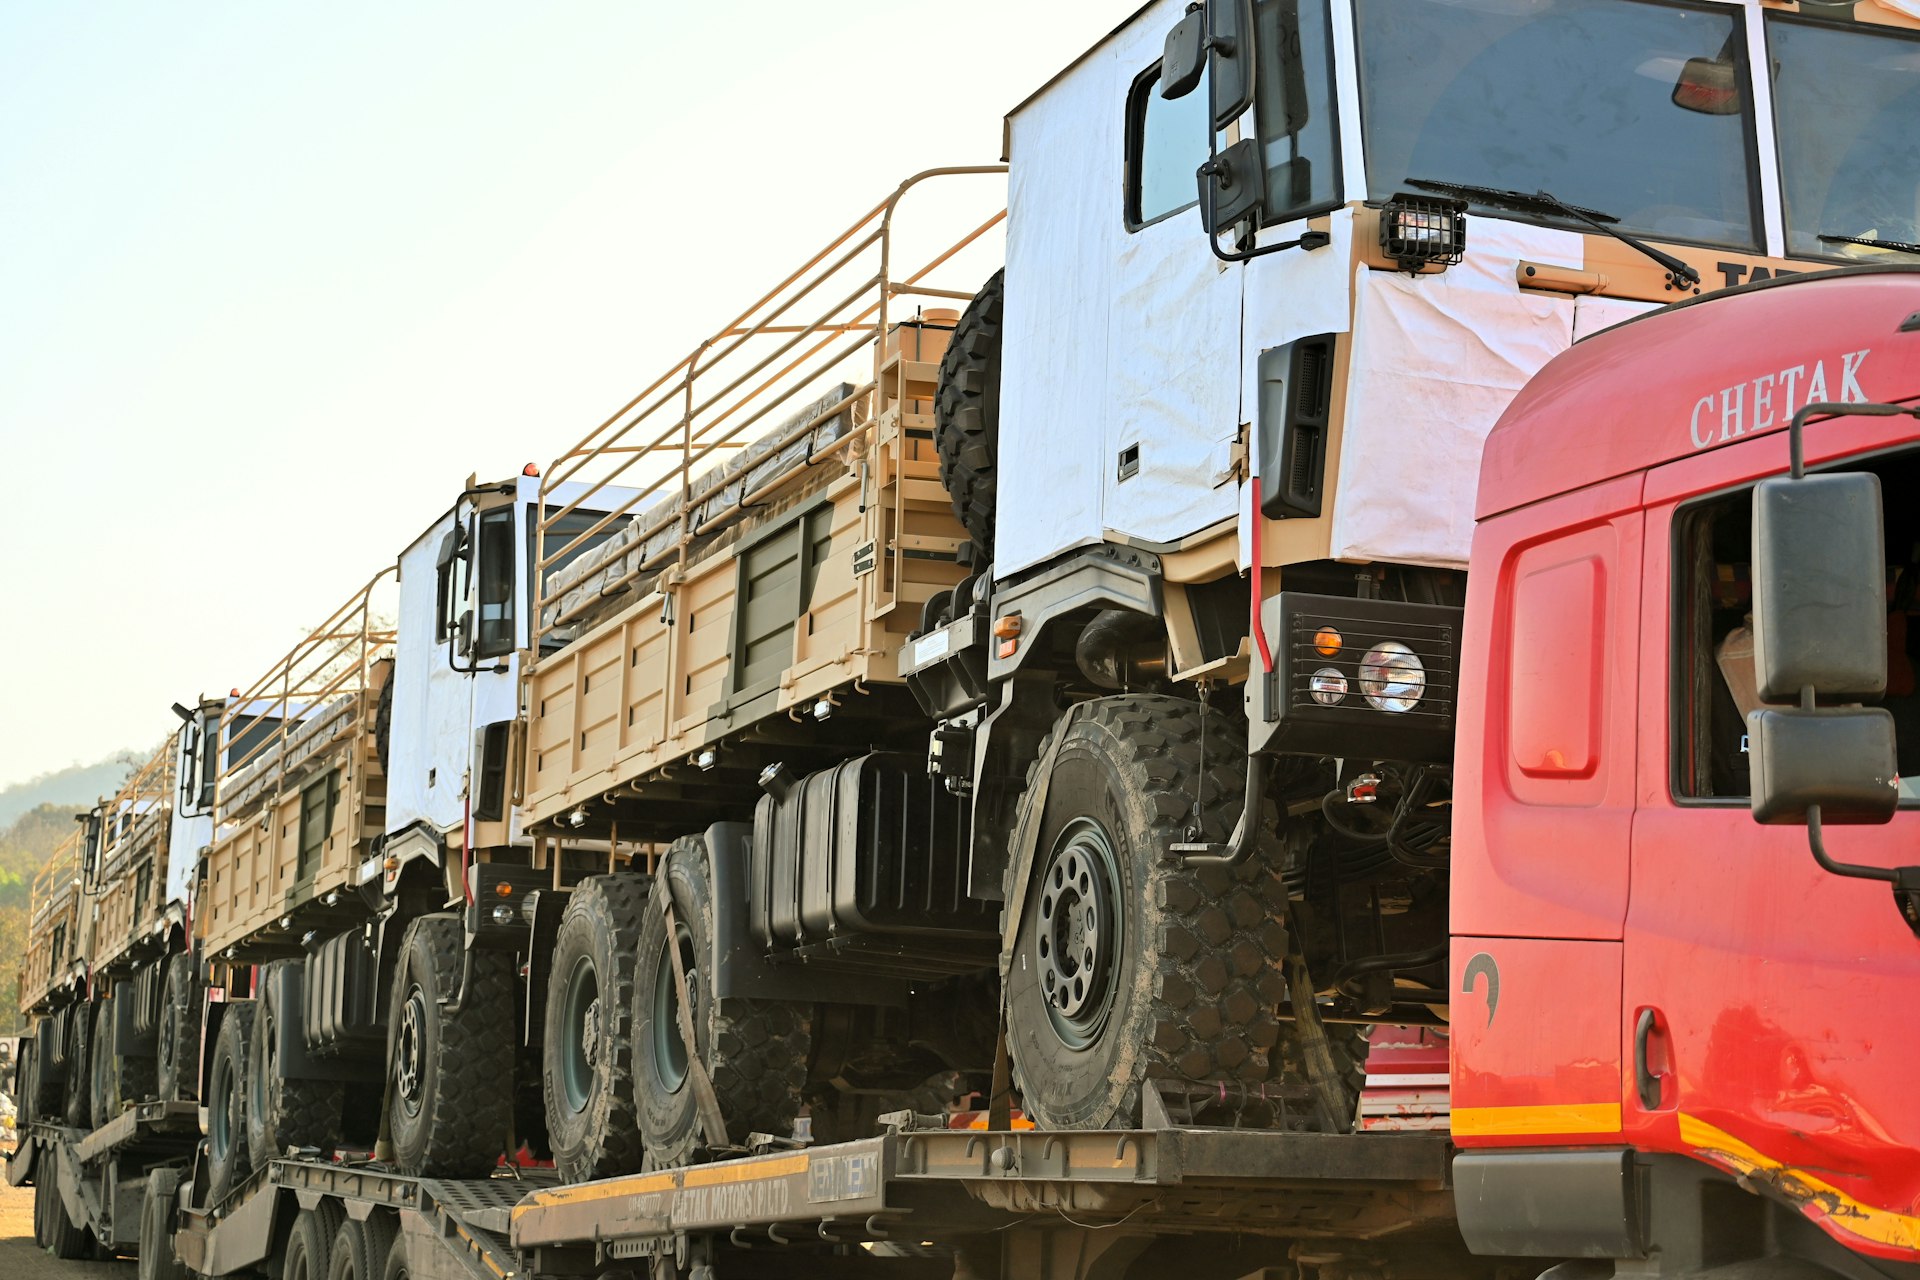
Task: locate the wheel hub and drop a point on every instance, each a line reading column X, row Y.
column 410, row 1052
column 1076, row 943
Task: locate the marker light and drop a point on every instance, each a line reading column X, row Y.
column 1326, row 642
column 1327, row 686
column 502, row 888
column 1392, row 678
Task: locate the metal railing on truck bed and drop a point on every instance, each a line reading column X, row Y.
column 300, row 793
column 131, row 879
column 52, row 920
column 757, row 529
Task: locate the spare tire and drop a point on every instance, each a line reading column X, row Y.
column 966, row 412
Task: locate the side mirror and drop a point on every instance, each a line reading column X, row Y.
column 1839, row 759
column 1819, row 588
column 1217, row 38
column 1232, row 186
column 1184, row 57
column 463, row 633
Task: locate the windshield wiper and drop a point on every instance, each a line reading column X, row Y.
column 1679, row 274
column 1898, row 246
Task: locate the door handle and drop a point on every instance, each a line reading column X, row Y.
column 1646, row 1080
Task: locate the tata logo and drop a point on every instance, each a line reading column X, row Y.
column 1771, row 399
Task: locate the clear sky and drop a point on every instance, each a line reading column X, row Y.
column 275, row 278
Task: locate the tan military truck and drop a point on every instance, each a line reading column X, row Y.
column 1182, row 695
column 52, row 981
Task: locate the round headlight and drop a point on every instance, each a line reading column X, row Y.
column 502, row 914
column 1327, row 686
column 1392, row 677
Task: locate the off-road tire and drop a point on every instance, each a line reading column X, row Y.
column 79, row 1084
column 755, row 1051
column 592, row 1115
column 966, row 411
column 42, row 1092
column 454, row 1123
column 177, row 1038
column 227, row 1161
column 139, row 1075
column 352, row 1256
column 282, row 1112
column 1196, row 974
column 57, row 1232
column 383, row 727
column 157, row 1260
column 103, row 1075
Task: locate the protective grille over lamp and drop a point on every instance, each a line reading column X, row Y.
column 1416, row 231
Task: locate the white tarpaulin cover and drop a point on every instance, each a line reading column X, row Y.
column 1436, row 359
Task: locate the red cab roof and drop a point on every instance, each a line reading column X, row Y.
column 1703, row 374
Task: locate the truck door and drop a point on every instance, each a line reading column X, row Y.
column 1543, row 820
column 1761, row 994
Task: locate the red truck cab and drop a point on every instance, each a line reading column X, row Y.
column 1675, row 1037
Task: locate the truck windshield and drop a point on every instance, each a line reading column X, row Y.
column 1597, row 101
column 1846, row 105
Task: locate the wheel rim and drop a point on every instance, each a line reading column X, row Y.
column 669, row 1050
column 410, row 1052
column 1077, row 942
column 219, row 1115
column 580, row 1038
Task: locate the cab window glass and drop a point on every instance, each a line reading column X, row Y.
column 493, row 636
column 1846, row 103
column 1625, row 107
column 1294, row 106
column 1166, row 145
column 1714, row 681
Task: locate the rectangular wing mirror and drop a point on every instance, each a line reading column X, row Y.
column 1839, row 758
column 1231, row 186
column 1184, row 57
column 1229, row 59
column 1819, row 587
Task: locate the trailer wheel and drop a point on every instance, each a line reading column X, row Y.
column 450, row 1064
column 177, row 1039
column 157, row 1260
column 1130, row 968
column 396, row 1267
column 58, row 1233
column 587, row 1050
column 226, row 1102
column 79, row 1096
column 351, row 1257
column 755, row 1051
column 966, row 411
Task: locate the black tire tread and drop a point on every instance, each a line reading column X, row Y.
column 756, row 1050
column 1218, row 937
column 301, row 1113
column 471, row 1109
column 231, row 1043
column 177, row 1077
column 64, row 1238
column 157, row 1260
column 966, row 411
column 78, row 1102
column 615, row 906
column 349, row 1258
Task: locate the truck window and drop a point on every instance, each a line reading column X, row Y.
column 1166, row 145
column 1846, row 104
column 1581, row 98
column 1294, row 107
column 1714, row 685
column 493, row 633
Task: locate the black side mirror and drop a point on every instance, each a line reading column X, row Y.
column 1231, row 186
column 1218, row 39
column 463, row 633
column 1184, row 57
column 1819, row 631
column 1819, row 588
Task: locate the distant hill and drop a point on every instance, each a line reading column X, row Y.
column 77, row 786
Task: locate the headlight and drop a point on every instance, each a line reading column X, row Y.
column 1391, row 677
column 502, row 914
column 1327, row 686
